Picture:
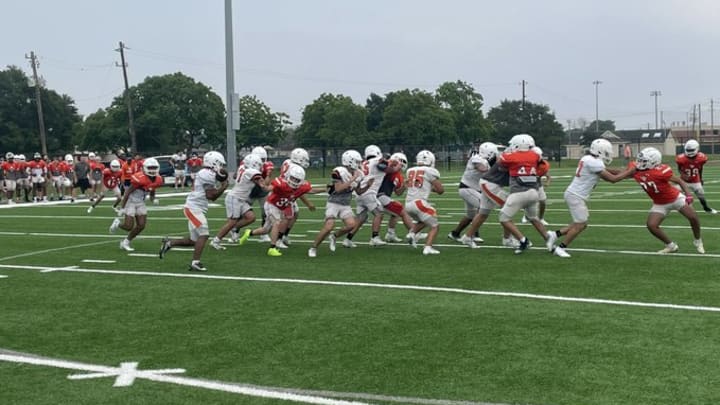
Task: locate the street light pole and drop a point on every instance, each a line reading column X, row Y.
column 597, row 122
column 656, row 93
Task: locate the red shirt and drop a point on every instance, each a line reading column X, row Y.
column 140, row 181
column 521, row 163
column 690, row 167
column 57, row 168
column 282, row 195
column 37, row 167
column 131, row 167
column 194, row 164
column 111, row 179
column 656, row 183
column 11, row 167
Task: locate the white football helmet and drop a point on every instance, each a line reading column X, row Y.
column 300, row 157
column 69, row 158
column 648, row 158
column 372, row 151
column 37, row 155
column 602, row 148
column 9, row 156
column 295, row 176
column 21, row 158
column 91, row 156
column 253, row 161
column 151, row 167
column 692, row 147
column 260, row 151
column 351, row 158
column 400, row 157
column 537, row 150
column 521, row 142
column 425, row 158
column 487, row 150
column 115, row 165
column 214, row 160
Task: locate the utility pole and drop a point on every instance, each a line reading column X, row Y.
column 656, row 93
column 523, row 83
column 131, row 125
column 712, row 118
column 230, row 98
column 699, row 121
column 597, row 122
column 38, row 101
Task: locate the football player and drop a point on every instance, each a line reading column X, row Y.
column 260, row 194
column 178, row 162
column 38, row 174
column 374, row 167
column 522, row 164
column 345, row 180
column 421, row 180
column 23, row 181
column 238, row 203
column 12, row 172
column 142, row 184
column 469, row 187
column 95, row 176
column 394, row 182
column 194, row 164
column 204, row 190
column 300, row 157
column 655, row 178
column 690, row 164
column 111, row 177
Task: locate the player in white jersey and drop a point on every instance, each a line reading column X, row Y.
column 469, row 187
column 374, row 167
column 196, row 205
column 591, row 168
column 421, row 180
column 238, row 203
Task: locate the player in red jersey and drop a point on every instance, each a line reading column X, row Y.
column 690, row 164
column 11, row 169
column 194, row 164
column 95, row 175
column 133, row 202
column 111, row 178
column 38, row 174
column 656, row 178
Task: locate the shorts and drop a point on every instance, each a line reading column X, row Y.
column 578, row 208
column 472, row 200
column 697, row 188
column 94, row 182
column 369, row 202
column 665, row 209
column 83, row 183
column 493, row 196
column 335, row 210
column 115, row 190
column 56, row 181
column 135, row 209
column 23, row 182
column 179, row 173
column 523, row 200
column 422, row 211
column 197, row 223
column 38, row 179
column 276, row 215
column 10, row 185
column 235, row 208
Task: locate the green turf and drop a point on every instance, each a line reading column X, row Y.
column 393, row 342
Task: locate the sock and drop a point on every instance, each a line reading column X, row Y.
column 391, row 231
column 375, row 234
column 477, row 234
column 350, row 236
column 455, row 234
column 272, row 246
column 558, row 233
column 562, row 245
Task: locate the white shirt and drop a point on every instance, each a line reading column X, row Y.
column 373, row 173
column 471, row 176
column 419, row 182
column 244, row 183
column 586, row 177
column 197, row 200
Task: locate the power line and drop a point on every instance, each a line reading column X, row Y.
column 131, row 125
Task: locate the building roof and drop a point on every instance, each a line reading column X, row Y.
column 642, row 135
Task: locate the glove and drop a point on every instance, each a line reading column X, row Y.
column 689, row 200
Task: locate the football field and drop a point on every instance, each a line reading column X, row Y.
column 83, row 322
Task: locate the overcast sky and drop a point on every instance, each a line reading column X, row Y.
column 288, row 52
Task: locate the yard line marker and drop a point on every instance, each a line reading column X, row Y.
column 50, row 270
column 409, row 287
column 143, row 254
column 128, row 372
column 3, row 276
column 97, row 261
column 39, row 252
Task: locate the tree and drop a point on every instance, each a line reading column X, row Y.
column 19, row 129
column 258, row 124
column 332, row 120
column 511, row 118
column 465, row 106
column 589, row 133
column 171, row 112
column 415, row 118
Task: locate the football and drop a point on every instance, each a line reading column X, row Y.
column 221, row 175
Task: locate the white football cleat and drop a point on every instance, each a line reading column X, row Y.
column 560, row 252
column 524, row 220
column 115, row 225
column 234, row 236
column 699, row 246
column 419, row 237
column 286, row 240
column 712, row 211
column 550, row 241
column 671, row 247
column 411, row 239
column 510, row 242
column 429, row 250
column 466, row 240
column 280, row 245
column 215, row 243
column 332, row 240
column 455, row 238
column 376, row 241
column 125, row 245
column 478, row 239
column 392, row 238
column 349, row 243
column 265, row 238
column 90, row 209
column 312, row 252
column 544, row 222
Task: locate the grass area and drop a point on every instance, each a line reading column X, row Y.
column 395, row 342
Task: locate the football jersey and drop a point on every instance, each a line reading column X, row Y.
column 656, row 184
column 690, row 167
column 586, row 177
column 495, row 175
column 471, row 176
column 375, row 170
column 282, row 195
column 419, row 182
column 110, row 178
column 390, row 183
column 57, row 168
column 341, row 175
column 96, row 170
column 267, row 169
column 37, row 168
column 12, row 170
column 196, row 199
column 244, row 183
column 143, row 184
column 522, row 167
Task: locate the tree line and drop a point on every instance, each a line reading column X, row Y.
column 175, row 112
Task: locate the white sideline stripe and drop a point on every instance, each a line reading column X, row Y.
column 39, row 252
column 3, row 276
column 155, row 255
column 78, row 235
column 154, row 375
column 385, row 286
column 97, row 261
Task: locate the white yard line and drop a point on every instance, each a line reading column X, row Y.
column 155, row 255
column 39, row 252
column 542, row 297
column 98, row 261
